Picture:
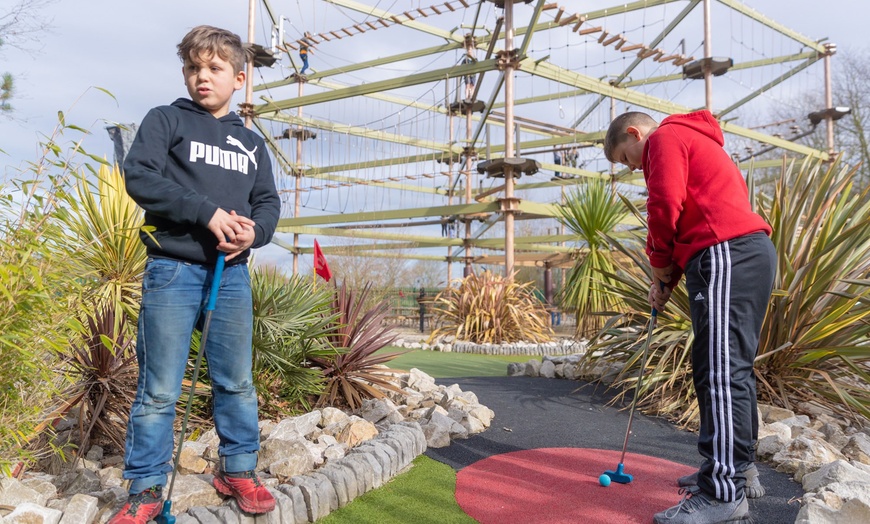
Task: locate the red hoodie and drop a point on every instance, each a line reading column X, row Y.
column 697, row 195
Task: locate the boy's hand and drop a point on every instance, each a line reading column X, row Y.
column 235, row 233
column 663, row 273
column 659, row 296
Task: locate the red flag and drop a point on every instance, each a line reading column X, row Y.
column 320, row 266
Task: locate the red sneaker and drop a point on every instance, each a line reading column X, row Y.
column 247, row 489
column 141, row 507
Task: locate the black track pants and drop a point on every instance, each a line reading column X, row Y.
column 729, row 288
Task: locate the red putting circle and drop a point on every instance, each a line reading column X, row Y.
column 560, row 485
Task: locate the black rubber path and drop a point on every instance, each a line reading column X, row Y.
column 533, row 413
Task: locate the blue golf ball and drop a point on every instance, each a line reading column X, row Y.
column 604, row 480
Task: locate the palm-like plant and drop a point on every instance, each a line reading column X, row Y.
column 103, row 223
column 592, row 212
column 292, row 319
column 355, row 372
column 489, row 308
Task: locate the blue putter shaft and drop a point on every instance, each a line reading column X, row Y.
column 165, row 516
column 620, row 475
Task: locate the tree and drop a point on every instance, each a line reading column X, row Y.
column 851, row 133
column 19, row 28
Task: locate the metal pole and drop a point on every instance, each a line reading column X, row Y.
column 468, row 198
column 298, row 175
column 829, row 98
column 708, row 58
column 469, row 53
column 508, row 140
column 449, row 171
column 249, row 70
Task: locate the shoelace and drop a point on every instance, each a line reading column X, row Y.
column 246, row 474
column 137, row 500
column 689, row 501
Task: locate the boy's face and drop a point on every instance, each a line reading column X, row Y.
column 211, row 82
column 630, row 151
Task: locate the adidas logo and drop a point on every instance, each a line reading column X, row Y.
column 699, row 297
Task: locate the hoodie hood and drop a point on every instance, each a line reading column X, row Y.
column 700, row 121
column 189, row 105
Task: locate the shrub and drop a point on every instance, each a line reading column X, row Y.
column 355, row 373
column 488, row 308
column 292, row 319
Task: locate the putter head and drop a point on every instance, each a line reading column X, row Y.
column 619, row 476
column 165, row 517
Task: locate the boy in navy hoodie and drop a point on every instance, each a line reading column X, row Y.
column 700, row 224
column 205, row 183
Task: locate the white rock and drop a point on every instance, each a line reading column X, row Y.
column 30, row 513
column 421, row 382
column 838, row 503
column 80, row 509
column 356, row 430
column 772, row 438
column 330, row 415
column 837, row 471
column 13, row 493
column 296, row 427
column 858, row 448
column 771, row 414
column 804, row 456
column 190, row 460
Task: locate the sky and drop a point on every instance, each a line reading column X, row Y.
column 128, row 49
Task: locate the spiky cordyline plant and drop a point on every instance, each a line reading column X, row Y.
column 489, row 308
column 591, row 212
column 104, row 373
column 814, row 342
column 355, row 373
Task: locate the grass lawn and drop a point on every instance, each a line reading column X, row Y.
column 422, row 495
column 453, row 365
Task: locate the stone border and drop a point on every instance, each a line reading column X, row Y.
column 314, row 495
column 565, row 346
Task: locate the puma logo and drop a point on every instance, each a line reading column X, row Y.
column 235, row 142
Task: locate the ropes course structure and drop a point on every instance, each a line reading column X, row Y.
column 426, row 132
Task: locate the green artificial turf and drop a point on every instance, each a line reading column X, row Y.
column 422, row 495
column 453, row 365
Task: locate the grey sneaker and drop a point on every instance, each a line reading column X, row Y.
column 752, row 488
column 699, row 508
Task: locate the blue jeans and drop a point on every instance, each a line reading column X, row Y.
column 174, row 294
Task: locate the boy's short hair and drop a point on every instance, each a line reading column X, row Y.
column 212, row 40
column 617, row 132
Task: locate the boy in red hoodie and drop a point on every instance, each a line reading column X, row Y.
column 700, row 224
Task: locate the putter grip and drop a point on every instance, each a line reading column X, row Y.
column 216, row 281
column 655, row 312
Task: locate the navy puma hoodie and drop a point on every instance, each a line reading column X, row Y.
column 183, row 165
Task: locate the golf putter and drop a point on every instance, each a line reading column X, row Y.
column 620, row 475
column 165, row 516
